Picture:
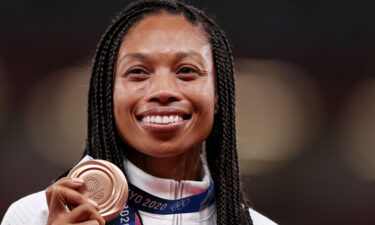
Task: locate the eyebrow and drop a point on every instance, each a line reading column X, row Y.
column 134, row 55
column 144, row 56
column 181, row 55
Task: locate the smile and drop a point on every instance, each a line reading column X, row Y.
column 162, row 119
column 163, row 116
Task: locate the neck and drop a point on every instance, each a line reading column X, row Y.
column 186, row 166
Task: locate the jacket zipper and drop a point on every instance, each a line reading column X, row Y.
column 179, row 185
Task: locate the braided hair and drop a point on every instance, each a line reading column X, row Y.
column 104, row 142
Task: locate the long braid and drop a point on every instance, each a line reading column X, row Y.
column 103, row 140
column 105, row 145
column 227, row 154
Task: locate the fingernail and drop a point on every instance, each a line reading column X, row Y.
column 92, row 202
column 77, row 180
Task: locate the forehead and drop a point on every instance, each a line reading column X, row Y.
column 164, row 32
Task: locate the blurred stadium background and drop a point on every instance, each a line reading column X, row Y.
column 306, row 108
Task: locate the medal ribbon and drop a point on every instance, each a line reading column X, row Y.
column 147, row 202
column 141, row 200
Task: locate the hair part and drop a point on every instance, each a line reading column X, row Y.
column 103, row 140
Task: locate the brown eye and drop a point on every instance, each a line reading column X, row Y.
column 187, row 73
column 187, row 70
column 137, row 71
column 137, row 74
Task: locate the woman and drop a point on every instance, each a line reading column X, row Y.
column 161, row 90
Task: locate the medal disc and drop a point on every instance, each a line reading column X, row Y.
column 104, row 183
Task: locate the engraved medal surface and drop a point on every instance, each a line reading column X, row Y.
column 104, row 183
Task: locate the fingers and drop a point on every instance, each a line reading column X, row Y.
column 62, row 196
column 65, row 182
column 65, row 193
column 85, row 212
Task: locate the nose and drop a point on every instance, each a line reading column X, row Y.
column 163, row 89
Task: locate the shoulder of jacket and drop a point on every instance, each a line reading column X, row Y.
column 259, row 219
column 31, row 209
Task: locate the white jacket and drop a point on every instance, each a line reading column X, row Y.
column 33, row 209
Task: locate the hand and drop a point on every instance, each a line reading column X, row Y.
column 65, row 193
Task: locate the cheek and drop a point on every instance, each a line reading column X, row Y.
column 119, row 104
column 211, row 102
column 123, row 100
column 205, row 111
column 204, row 98
column 119, row 94
column 206, row 102
column 208, row 92
column 125, row 95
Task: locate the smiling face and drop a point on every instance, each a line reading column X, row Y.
column 164, row 92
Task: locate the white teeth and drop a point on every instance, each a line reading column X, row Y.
column 162, row 119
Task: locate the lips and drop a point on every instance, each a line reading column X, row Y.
column 162, row 119
column 163, row 116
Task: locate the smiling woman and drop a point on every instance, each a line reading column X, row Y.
column 161, row 89
column 163, row 93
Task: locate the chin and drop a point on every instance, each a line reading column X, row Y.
column 163, row 152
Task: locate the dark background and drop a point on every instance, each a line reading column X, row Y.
column 333, row 42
